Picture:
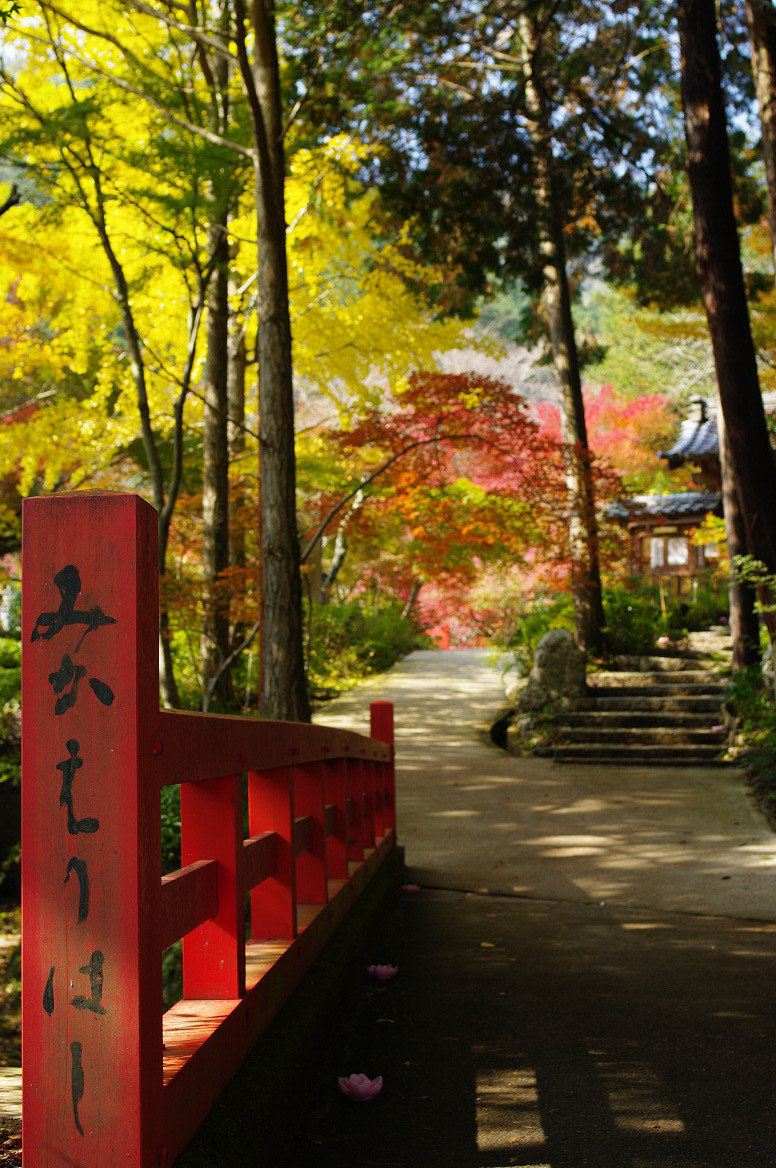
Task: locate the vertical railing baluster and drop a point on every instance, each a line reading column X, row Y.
column 355, row 809
column 271, row 808
column 337, row 841
column 311, row 887
column 381, row 728
column 211, row 829
column 368, row 801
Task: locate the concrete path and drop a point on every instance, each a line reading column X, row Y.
column 473, row 818
column 587, row 975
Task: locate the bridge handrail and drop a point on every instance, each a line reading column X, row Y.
column 107, row 1078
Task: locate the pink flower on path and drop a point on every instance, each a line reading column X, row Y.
column 663, row 641
column 717, row 729
column 410, row 888
column 382, row 972
column 360, row 1088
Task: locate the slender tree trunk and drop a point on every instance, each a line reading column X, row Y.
column 337, row 560
column 761, row 18
column 721, row 277
column 583, row 528
column 744, row 625
column 412, row 596
column 236, row 440
column 215, row 470
column 284, row 693
column 214, row 633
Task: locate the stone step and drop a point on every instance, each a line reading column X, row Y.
column 618, row 754
column 657, row 663
column 669, row 692
column 643, row 735
column 692, row 720
column 638, row 700
column 614, row 679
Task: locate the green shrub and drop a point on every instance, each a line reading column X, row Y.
column 171, row 828
column 530, row 627
column 10, row 706
column 634, row 619
column 347, row 642
column 750, row 695
column 10, row 683
column 689, row 615
column 634, row 615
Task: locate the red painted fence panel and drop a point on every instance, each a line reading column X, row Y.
column 108, row 1080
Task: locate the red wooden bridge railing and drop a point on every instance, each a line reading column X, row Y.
column 108, row 1079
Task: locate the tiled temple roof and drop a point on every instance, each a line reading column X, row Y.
column 698, row 437
column 687, row 505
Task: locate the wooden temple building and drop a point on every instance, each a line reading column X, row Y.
column 659, row 527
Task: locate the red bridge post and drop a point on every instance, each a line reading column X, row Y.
column 381, row 728
column 91, row 1006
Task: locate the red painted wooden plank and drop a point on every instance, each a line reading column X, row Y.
column 204, row 746
column 189, row 897
column 309, row 800
column 368, row 801
column 260, row 859
column 271, row 808
column 330, row 818
column 355, row 844
column 211, row 828
column 381, row 723
column 304, row 828
column 90, row 833
column 379, row 799
column 336, row 826
column 207, row 1043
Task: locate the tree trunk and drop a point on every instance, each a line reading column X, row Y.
column 284, row 690
column 214, row 634
column 721, row 277
column 761, row 18
column 235, row 385
column 337, row 560
column 583, row 528
column 214, row 644
column 236, row 438
column 412, row 596
column 744, row 625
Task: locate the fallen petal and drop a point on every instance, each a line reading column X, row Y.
column 410, row 888
column 360, row 1088
column 382, row 972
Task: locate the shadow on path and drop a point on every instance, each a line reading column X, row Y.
column 587, row 977
column 555, row 1035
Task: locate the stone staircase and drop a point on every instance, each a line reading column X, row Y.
column 659, row 710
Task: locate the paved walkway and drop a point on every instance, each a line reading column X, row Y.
column 588, row 974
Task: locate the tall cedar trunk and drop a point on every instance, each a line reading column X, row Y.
column 167, row 684
column 721, row 277
column 284, row 691
column 235, row 386
column 583, row 528
column 744, row 625
column 761, row 18
column 215, row 470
